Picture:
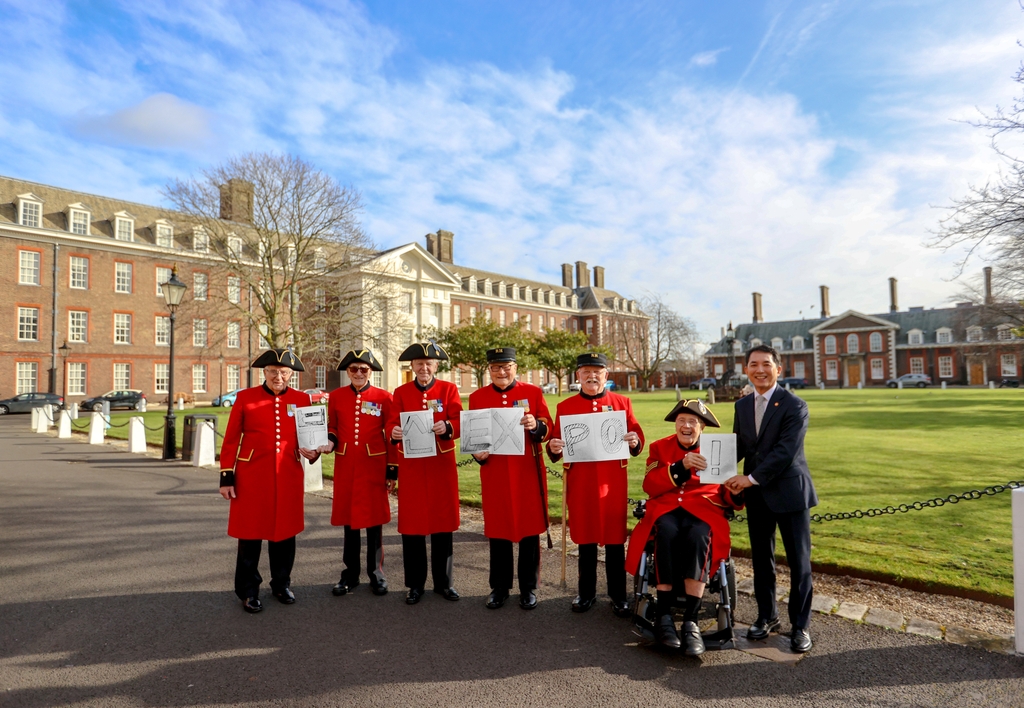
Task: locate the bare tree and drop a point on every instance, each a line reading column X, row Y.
column 646, row 346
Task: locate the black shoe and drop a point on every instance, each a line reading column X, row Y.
column 379, row 588
column 762, row 628
column 621, row 608
column 252, row 605
column 448, row 593
column 581, row 605
column 285, row 596
column 665, row 632
column 693, row 643
column 413, row 596
column 528, row 600
column 344, row 587
column 801, row 642
column 496, row 599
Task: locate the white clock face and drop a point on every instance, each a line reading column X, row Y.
column 405, row 267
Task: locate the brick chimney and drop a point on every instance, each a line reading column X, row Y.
column 433, row 247
column 824, row 302
column 988, row 285
column 582, row 274
column 893, row 303
column 758, row 317
column 598, row 276
column 446, row 246
column 567, row 276
column 236, row 201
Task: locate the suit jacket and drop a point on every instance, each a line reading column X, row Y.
column 775, row 457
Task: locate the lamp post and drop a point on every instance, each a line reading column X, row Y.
column 174, row 291
column 730, row 355
column 64, row 351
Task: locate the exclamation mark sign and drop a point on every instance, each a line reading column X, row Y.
column 716, row 458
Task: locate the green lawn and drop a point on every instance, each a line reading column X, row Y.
column 870, row 448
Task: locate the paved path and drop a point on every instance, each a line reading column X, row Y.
column 116, row 578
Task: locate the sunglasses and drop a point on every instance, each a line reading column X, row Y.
column 359, row 369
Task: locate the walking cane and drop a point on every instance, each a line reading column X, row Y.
column 564, row 550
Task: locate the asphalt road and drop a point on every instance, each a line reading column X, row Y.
column 116, row 591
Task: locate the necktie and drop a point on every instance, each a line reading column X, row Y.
column 760, row 403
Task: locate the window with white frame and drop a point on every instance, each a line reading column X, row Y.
column 200, row 241
column 28, row 267
column 234, row 289
column 161, row 378
column 798, row 369
column 78, row 273
column 831, row 369
column 124, row 229
column 320, row 336
column 234, row 377
column 1008, row 364
column 79, row 222
column 590, row 324
column 199, row 378
column 76, row 378
column 755, row 342
column 234, row 335
column 234, row 247
column 798, row 344
column 321, row 377
column 320, row 299
column 377, row 379
column 501, row 317
column 122, row 376
column 28, row 375
column 488, row 314
column 974, row 334
column 1004, row 333
column 915, row 336
column 875, row 342
column 28, row 324
column 78, row 326
column 945, row 367
column 122, row 328
column 529, row 322
column 877, row 369
column 777, row 344
column 407, row 302
column 162, row 276
column 719, row 368
column 199, row 333
column 830, row 344
column 264, row 330
column 31, row 213
column 122, row 277
column 852, row 343
column 163, row 331
column 200, row 285
column 320, row 259
column 258, row 377
column 551, row 322
column 916, row 365
column 944, row 335
column 164, row 235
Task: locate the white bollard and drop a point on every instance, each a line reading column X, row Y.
column 35, row 417
column 1017, row 502
column 788, row 388
column 821, row 386
column 203, row 445
column 943, row 385
column 97, row 428
column 860, row 385
column 181, row 403
column 136, row 434
column 74, row 411
column 991, row 384
column 899, row 384
column 64, row 429
column 41, row 426
column 314, row 475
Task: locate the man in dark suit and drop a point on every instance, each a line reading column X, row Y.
column 770, row 425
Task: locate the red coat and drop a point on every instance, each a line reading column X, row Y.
column 596, row 492
column 261, row 448
column 355, row 421
column 428, row 487
column 707, row 502
column 514, row 487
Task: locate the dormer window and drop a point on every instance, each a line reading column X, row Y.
column 124, row 226
column 974, row 334
column 944, row 335
column 777, row 343
column 164, row 233
column 234, row 247
column 320, row 259
column 200, row 240
column 915, row 336
column 30, row 210
column 798, row 343
column 1004, row 333
column 755, row 342
column 78, row 219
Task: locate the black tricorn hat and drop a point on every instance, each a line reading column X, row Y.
column 694, row 407
column 424, row 350
column 592, row 359
column 501, row 354
column 278, row 357
column 363, row 356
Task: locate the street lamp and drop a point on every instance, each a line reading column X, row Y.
column 730, row 355
column 174, row 291
column 64, row 351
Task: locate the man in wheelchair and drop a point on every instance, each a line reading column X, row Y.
column 688, row 523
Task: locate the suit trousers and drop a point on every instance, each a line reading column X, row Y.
column 614, row 569
column 500, row 577
column 682, row 548
column 795, row 528
column 247, row 574
column 374, row 555
column 414, row 560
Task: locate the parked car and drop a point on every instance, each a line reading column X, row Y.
column 25, row 402
column 127, row 399
column 706, row 382
column 1009, row 383
column 550, row 387
column 317, row 395
column 226, row 399
column 609, row 385
column 574, row 386
column 793, row 382
column 919, row 380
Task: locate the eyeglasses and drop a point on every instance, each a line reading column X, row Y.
column 359, row 369
column 504, row 367
column 276, row 374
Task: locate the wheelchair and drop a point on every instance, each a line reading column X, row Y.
column 721, row 583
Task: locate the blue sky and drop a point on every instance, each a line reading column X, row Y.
column 696, row 150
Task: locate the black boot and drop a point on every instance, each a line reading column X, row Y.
column 693, row 643
column 665, row 632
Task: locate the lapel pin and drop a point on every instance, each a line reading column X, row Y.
column 776, row 404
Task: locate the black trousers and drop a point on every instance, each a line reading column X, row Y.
column 501, row 563
column 614, row 569
column 374, row 555
column 414, row 559
column 247, row 573
column 682, row 548
column 795, row 528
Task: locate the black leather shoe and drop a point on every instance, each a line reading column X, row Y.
column 448, row 593
column 621, row 608
column 252, row 605
column 528, row 600
column 801, row 642
column 581, row 605
column 379, row 588
column 496, row 599
column 344, row 587
column 665, row 632
column 413, row 596
column 285, row 597
column 693, row 643
column 762, row 628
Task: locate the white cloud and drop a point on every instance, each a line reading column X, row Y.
column 706, row 59
column 159, row 121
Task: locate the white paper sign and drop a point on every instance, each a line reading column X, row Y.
column 313, row 474
column 720, row 452
column 494, row 430
column 311, row 426
column 594, row 437
column 417, row 436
